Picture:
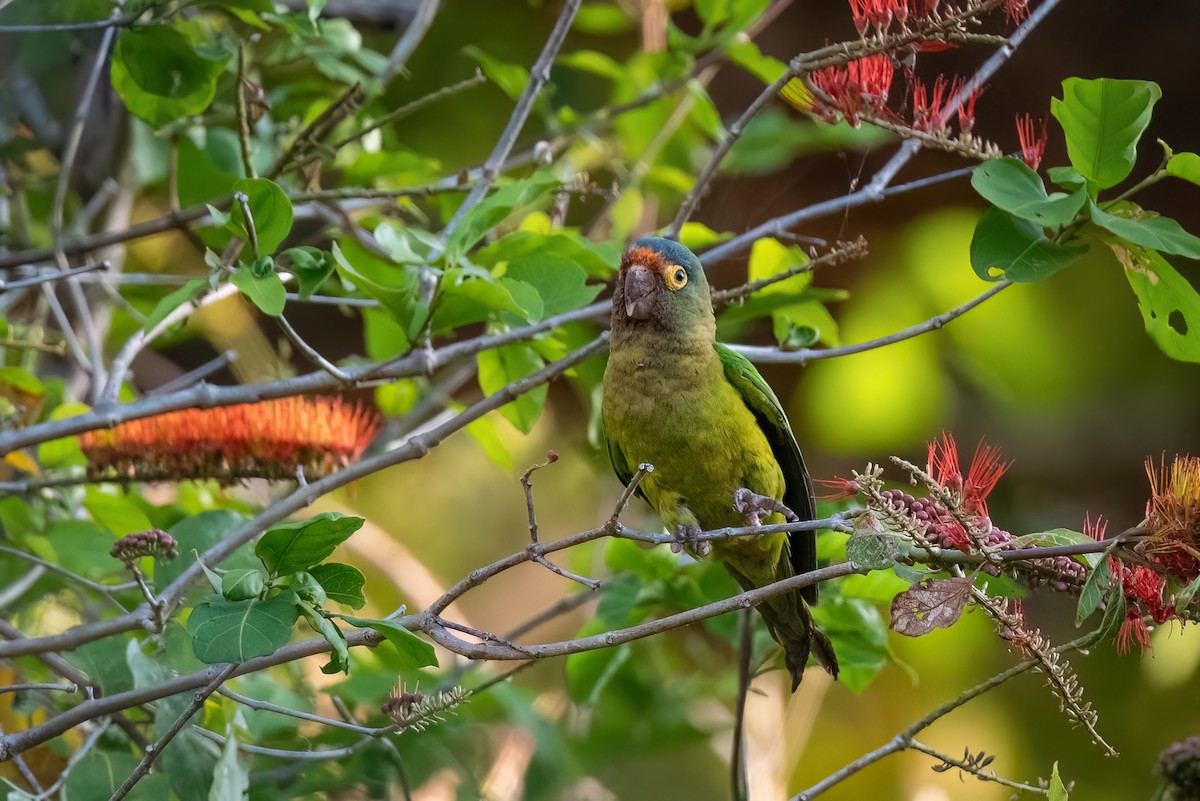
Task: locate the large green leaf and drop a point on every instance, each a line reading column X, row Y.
column 160, row 76
column 172, row 301
column 479, row 221
column 1103, row 119
column 197, row 534
column 1017, row 248
column 290, row 547
column 98, row 775
column 1009, row 184
column 859, row 638
column 1169, row 303
column 235, row 631
column 415, row 652
column 393, row 286
column 1185, row 166
column 1148, row 230
column 264, row 291
column 559, row 282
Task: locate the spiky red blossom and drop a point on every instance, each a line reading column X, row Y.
column 1173, row 516
column 271, row 439
column 1016, row 10
column 1033, row 143
column 985, row 471
column 929, row 104
column 966, row 109
column 1144, row 590
column 863, row 83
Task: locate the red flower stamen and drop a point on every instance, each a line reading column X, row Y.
column 1133, row 631
column 929, row 105
column 1016, row 10
column 985, row 471
column 270, row 439
column 873, row 78
column 966, row 109
column 1033, row 144
column 942, row 464
column 838, row 488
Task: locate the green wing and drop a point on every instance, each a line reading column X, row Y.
column 798, row 495
column 620, row 464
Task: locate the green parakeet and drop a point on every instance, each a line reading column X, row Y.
column 722, row 449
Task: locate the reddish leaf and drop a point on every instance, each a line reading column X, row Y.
column 929, row 605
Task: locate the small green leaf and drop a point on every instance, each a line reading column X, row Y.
column 407, row 245
column 1148, row 230
column 592, row 61
column 1103, row 120
column 510, row 78
column 1017, row 248
column 270, row 208
column 173, row 301
column 482, row 219
column 311, row 266
column 560, row 282
column 1094, row 589
column 197, row 534
column 1185, row 166
column 415, row 652
column 1183, row 598
column 1057, row 790
column 393, row 286
column 1009, row 184
column 1114, row 613
column 235, row 631
column 1168, row 302
column 343, row 584
column 501, row 366
column 308, row 588
column 1068, row 178
column 214, row 578
column 339, row 656
column 266, row 292
column 291, row 547
column 242, row 584
column 747, row 56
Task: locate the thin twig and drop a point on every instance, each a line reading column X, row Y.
column 311, row 353
column 243, row 116
column 539, row 74
column 418, row 26
column 153, row 752
column 193, row 376
column 988, row 776
column 738, row 774
column 49, row 276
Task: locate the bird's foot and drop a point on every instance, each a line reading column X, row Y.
column 753, row 506
column 689, row 536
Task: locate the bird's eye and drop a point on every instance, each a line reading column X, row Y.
column 678, row 279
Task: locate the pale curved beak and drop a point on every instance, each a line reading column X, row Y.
column 640, row 284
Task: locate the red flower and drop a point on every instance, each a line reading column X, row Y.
column 1133, row 630
column 839, row 488
column 1033, row 144
column 1016, row 10
column 928, row 106
column 1173, row 516
column 966, row 110
column 861, row 83
column 873, row 77
column 270, row 439
column 985, row 471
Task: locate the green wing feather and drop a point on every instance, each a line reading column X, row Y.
column 798, row 495
column 620, row 464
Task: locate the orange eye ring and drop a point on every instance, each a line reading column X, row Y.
column 676, row 278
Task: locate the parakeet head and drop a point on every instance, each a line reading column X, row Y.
column 661, row 287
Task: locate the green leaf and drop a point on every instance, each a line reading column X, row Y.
column 97, row 776
column 1051, row 538
column 602, row 19
column 875, row 551
column 1169, row 303
column 592, row 61
column 1183, row 598
column 415, row 652
column 1067, row 178
column 242, row 584
column 117, row 513
column 407, row 245
column 231, row 779
column 339, row 656
column 1103, row 120
column 63, row 452
column 1185, row 166
column 173, row 301
column 266, row 292
column 311, row 266
column 270, row 208
column 501, row 366
column 308, row 588
column 187, row 761
column 510, row 78
column 160, row 76
column 1094, row 589
column 1148, row 230
column 235, row 631
column 197, row 534
column 560, row 282
column 747, row 56
column 480, row 221
column 1009, row 184
column 859, row 638
column 393, row 286
column 588, row 673
column 1114, row 612
column 1057, row 791
column 105, row 662
column 290, row 547
column 1017, row 248
column 343, row 584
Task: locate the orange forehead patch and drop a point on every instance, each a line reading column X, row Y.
column 647, row 257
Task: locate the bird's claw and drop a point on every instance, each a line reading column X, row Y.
column 689, row 536
column 753, row 506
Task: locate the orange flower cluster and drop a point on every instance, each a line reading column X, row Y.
column 271, row 439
